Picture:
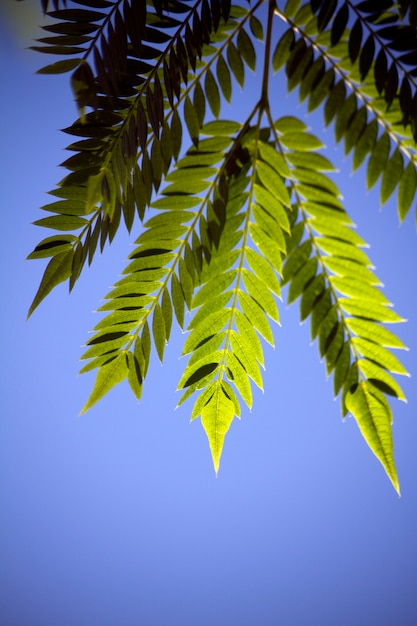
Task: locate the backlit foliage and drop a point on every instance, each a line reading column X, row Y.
column 226, row 212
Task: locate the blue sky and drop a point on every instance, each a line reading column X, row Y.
column 116, row 517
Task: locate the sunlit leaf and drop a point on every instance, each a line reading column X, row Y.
column 216, row 417
column 245, row 207
column 373, row 416
column 379, row 355
column 108, row 376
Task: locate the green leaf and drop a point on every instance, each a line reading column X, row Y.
column 311, row 295
column 334, row 101
column 208, row 350
column 166, row 308
column 267, row 246
column 238, row 375
column 327, row 330
column 310, row 160
column 321, row 90
column 246, row 49
column 316, row 179
column 272, row 204
column 213, row 287
column 62, row 222
column 242, row 349
column 223, row 77
column 216, row 417
column 221, row 128
column 109, row 341
column 199, row 373
column 391, row 175
column 212, row 93
column 246, row 329
column 381, row 378
column 301, row 279
column 407, row 190
column 347, row 267
column 290, row 124
column 355, row 129
column 365, row 143
column 159, row 331
column 273, row 182
column 296, row 260
column 202, row 400
column 199, row 102
column 313, row 75
column 235, row 62
column 344, row 116
column 339, row 248
column 52, row 246
column 377, row 161
column 186, row 283
column 274, row 159
column 356, row 288
column 268, row 224
column 379, row 355
column 258, row 290
column 283, row 49
column 301, row 141
column 292, row 7
column 134, row 375
column 256, row 28
column 191, row 120
column 256, row 316
column 216, row 303
column 60, row 67
column 176, row 202
column 178, row 302
column 327, row 222
column 208, row 327
column 341, row 370
column 143, row 348
column 58, row 269
column 374, row 332
column 263, row 269
column 369, row 310
column 373, row 416
column 108, row 376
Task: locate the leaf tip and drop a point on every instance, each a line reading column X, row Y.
column 31, row 309
column 396, row 485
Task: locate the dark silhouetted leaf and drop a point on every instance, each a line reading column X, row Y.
column 355, row 41
column 327, row 11
column 366, row 57
column 339, row 24
column 380, row 70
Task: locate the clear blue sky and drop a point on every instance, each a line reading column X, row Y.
column 116, row 518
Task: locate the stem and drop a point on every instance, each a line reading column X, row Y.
column 265, row 78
